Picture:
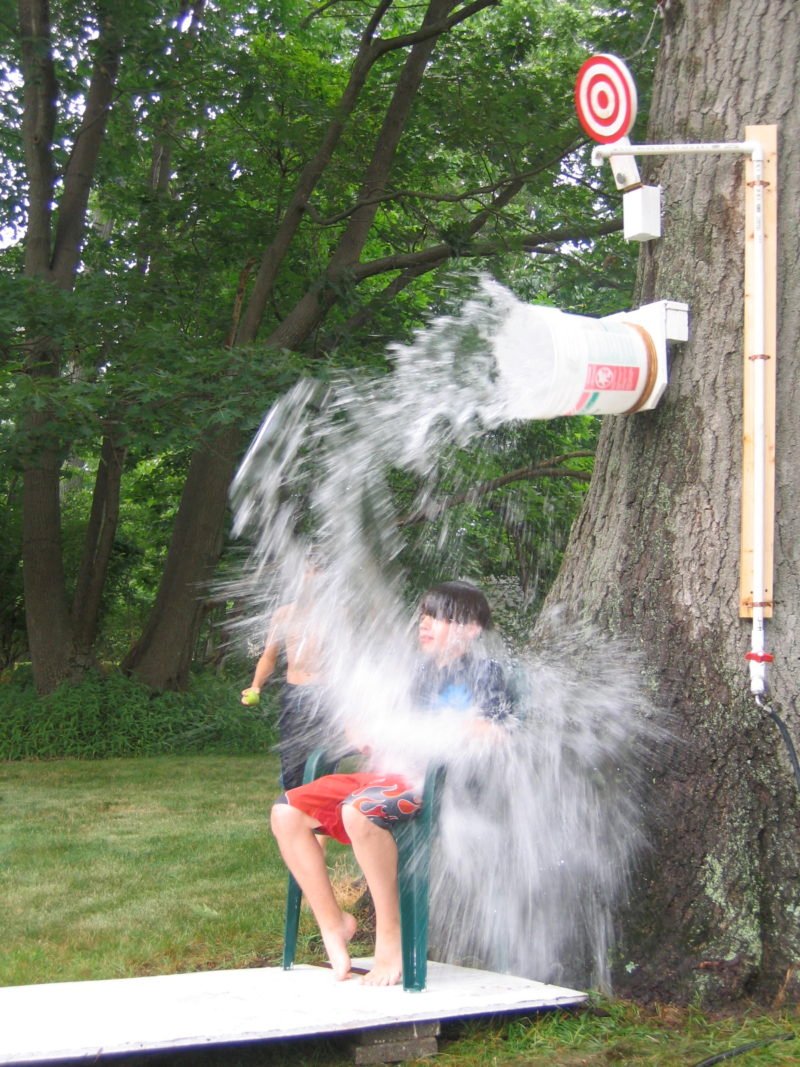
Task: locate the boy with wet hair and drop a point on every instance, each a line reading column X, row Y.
column 457, row 602
column 362, row 808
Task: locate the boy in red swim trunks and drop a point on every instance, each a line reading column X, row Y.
column 361, row 808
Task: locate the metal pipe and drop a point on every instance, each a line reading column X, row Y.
column 758, row 357
column 606, row 151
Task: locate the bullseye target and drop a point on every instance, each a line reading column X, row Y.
column 605, row 98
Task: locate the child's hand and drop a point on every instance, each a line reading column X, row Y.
column 251, row 696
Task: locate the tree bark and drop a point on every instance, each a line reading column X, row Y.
column 655, row 552
column 162, row 657
column 98, row 545
column 54, row 261
column 46, row 613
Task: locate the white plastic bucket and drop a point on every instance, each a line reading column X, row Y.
column 550, row 364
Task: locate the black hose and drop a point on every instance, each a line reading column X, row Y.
column 744, row 1048
column 787, row 737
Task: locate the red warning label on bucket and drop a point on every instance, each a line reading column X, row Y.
column 605, row 376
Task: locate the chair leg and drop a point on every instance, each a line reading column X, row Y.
column 317, row 764
column 414, row 863
column 293, row 898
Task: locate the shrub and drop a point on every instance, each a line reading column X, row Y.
column 110, row 715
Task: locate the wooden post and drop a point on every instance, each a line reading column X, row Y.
column 767, row 136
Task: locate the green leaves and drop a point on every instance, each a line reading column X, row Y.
column 503, row 510
column 101, row 717
column 215, row 124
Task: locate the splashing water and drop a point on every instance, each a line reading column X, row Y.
column 536, row 834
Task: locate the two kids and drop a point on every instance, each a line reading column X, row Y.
column 361, row 808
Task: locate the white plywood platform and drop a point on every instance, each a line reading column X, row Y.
column 86, row 1020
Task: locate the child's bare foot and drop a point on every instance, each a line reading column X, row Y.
column 336, row 942
column 385, row 972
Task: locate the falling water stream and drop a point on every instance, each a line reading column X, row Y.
column 530, row 866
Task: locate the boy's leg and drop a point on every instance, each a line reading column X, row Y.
column 294, row 832
column 376, row 852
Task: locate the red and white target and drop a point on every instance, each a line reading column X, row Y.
column 605, row 98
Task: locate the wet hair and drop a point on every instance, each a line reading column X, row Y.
column 457, row 602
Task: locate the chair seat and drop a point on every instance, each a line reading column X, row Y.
column 413, row 838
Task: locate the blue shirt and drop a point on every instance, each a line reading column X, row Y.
column 468, row 682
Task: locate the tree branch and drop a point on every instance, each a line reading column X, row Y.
column 80, row 170
column 433, row 29
column 317, row 12
column 312, row 306
column 397, row 195
column 550, row 468
column 368, row 310
column 275, row 253
column 435, row 255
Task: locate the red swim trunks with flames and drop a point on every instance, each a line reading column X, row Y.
column 385, row 799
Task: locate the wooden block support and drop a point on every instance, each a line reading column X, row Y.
column 768, row 137
column 393, row 1044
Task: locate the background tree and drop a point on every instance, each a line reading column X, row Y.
column 655, row 553
column 240, row 193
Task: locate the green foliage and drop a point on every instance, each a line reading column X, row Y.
column 11, row 593
column 103, row 716
column 153, row 381
column 511, row 533
column 211, row 126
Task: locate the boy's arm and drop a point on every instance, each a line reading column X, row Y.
column 267, row 660
column 266, row 664
column 492, row 694
column 493, row 703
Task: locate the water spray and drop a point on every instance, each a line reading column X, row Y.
column 537, row 835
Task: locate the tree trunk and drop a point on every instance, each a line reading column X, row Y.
column 46, row 614
column 163, row 655
column 655, row 552
column 54, row 261
column 98, row 545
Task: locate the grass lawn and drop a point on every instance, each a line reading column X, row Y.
column 117, row 868
column 140, row 866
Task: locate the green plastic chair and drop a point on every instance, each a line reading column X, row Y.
column 413, row 839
